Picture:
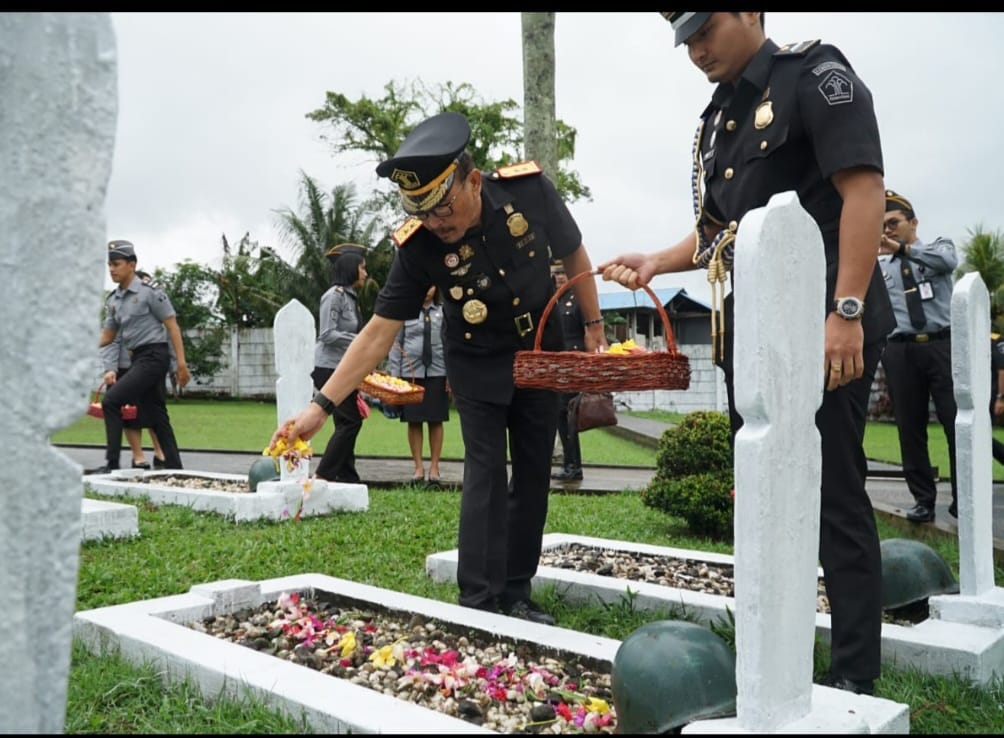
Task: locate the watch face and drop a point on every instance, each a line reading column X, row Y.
column 849, row 307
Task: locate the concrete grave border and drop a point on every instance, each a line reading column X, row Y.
column 932, row 646
column 272, row 501
column 154, row 631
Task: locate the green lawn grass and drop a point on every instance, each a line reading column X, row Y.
column 248, row 426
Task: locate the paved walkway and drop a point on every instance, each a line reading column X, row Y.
column 885, row 485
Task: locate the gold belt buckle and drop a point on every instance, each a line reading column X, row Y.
column 524, row 324
column 922, row 338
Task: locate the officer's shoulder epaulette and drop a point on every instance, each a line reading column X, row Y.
column 340, row 289
column 512, row 171
column 995, row 336
column 405, row 231
column 798, row 49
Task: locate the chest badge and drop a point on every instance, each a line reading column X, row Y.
column 475, row 312
column 460, row 271
column 451, row 260
column 517, row 224
column 456, row 292
column 764, row 115
column 466, row 252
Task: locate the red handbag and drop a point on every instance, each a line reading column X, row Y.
column 95, row 410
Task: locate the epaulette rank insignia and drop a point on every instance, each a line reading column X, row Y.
column 405, row 231
column 512, row 171
column 796, row 49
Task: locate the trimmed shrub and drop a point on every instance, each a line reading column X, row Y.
column 694, row 479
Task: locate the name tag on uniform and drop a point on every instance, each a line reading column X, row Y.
column 926, row 290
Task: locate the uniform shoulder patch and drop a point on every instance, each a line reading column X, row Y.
column 796, row 49
column 405, row 231
column 522, row 169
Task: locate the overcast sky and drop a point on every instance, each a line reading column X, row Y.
column 212, row 133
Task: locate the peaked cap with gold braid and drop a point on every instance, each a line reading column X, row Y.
column 895, row 201
column 426, row 162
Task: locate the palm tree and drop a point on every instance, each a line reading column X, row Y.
column 984, row 253
column 325, row 220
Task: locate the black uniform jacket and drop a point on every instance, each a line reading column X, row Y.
column 798, row 115
column 495, row 281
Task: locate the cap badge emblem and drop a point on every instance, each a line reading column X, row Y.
column 406, row 179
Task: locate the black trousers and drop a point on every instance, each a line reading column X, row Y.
column 569, row 434
column 915, row 374
column 502, row 520
column 338, row 464
column 143, row 386
column 849, row 550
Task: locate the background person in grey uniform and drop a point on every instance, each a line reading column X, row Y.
column 340, row 321
column 420, row 358
column 142, row 317
column 918, row 356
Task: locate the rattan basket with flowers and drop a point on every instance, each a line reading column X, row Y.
column 392, row 390
column 582, row 371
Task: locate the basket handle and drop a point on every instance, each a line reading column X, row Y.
column 670, row 340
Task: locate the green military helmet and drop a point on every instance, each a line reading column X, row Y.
column 669, row 673
column 913, row 571
column 265, row 469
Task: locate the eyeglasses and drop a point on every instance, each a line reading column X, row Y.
column 893, row 223
column 441, row 211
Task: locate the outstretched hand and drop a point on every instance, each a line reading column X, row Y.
column 631, row 270
column 304, row 425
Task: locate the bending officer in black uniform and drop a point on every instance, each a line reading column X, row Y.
column 486, row 241
column 798, row 118
column 142, row 316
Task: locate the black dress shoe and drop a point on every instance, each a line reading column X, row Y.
column 528, row 610
column 141, row 465
column 99, row 470
column 568, row 475
column 920, row 514
column 849, row 685
column 953, row 510
column 159, row 463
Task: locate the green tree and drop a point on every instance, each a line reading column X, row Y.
column 325, row 220
column 378, row 127
column 984, row 253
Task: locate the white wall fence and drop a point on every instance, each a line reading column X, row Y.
column 248, row 372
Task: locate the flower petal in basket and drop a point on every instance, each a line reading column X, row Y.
column 391, row 390
column 581, row 371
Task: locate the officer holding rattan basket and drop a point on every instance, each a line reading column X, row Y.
column 798, row 118
column 486, row 240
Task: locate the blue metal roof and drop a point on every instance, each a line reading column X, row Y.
column 628, row 299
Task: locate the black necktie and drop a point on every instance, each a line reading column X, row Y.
column 913, row 302
column 427, row 340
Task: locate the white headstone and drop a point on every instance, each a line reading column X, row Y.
column 979, row 602
column 780, row 278
column 295, row 334
column 59, row 92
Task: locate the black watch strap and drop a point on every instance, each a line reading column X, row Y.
column 326, row 405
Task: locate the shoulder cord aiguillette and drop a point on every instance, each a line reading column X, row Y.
column 716, row 256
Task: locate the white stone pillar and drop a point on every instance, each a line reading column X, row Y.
column 59, row 104
column 780, row 284
column 295, row 334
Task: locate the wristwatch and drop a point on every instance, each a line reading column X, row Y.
column 326, row 405
column 849, row 308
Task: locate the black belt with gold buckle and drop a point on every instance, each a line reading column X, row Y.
column 921, row 337
column 524, row 324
